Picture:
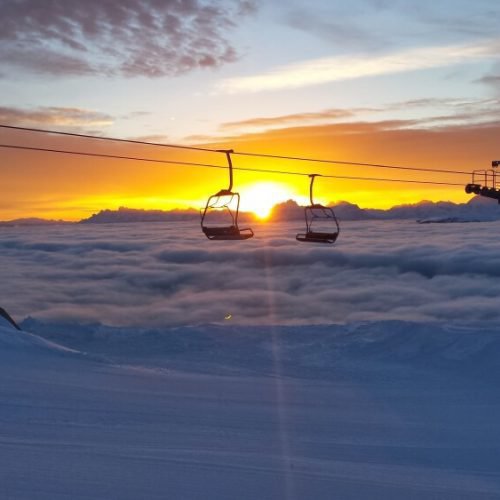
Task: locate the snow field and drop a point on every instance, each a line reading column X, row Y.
column 354, row 411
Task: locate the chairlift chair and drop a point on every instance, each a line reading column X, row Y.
column 316, row 214
column 228, row 202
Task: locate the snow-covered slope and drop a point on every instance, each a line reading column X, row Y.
column 384, row 410
column 392, row 393
column 305, row 351
column 4, row 324
column 14, row 343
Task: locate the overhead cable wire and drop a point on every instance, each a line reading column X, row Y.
column 207, row 165
column 240, row 153
column 115, row 157
column 112, row 139
column 352, row 163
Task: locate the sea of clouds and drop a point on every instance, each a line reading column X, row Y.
column 167, row 274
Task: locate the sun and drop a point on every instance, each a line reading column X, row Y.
column 260, row 197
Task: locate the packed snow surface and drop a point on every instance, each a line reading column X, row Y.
column 377, row 410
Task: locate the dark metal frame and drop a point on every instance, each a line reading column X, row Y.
column 231, row 232
column 314, row 212
column 485, row 182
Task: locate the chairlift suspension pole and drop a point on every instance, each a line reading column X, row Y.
column 312, row 176
column 228, row 152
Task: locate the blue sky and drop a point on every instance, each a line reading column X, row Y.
column 285, row 58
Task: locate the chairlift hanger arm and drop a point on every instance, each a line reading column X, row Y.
column 312, row 177
column 228, row 152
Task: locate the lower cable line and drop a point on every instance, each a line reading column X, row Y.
column 208, row 165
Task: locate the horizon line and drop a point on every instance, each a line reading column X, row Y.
column 195, row 211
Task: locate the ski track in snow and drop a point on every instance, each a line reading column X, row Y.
column 378, row 410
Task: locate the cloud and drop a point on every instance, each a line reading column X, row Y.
column 399, row 23
column 133, row 115
column 340, row 29
column 156, row 138
column 328, row 114
column 490, row 80
column 441, row 116
column 149, row 37
column 169, row 274
column 338, row 68
column 458, row 111
column 44, row 60
column 54, row 116
column 452, row 111
column 453, row 16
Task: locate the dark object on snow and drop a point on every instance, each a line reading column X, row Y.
column 6, row 315
column 316, row 214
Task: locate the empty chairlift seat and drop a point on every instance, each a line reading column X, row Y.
column 219, row 219
column 322, row 225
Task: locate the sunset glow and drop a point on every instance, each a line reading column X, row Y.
column 396, row 98
column 249, row 249
column 260, row 197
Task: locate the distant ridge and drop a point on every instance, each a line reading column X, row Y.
column 477, row 209
column 124, row 214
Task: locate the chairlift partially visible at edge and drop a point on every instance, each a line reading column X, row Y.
column 224, row 205
column 322, row 225
column 485, row 182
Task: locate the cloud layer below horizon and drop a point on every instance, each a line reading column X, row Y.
column 168, row 274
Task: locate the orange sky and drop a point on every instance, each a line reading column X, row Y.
column 375, row 82
column 69, row 187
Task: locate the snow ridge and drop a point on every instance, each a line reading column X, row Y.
column 302, row 350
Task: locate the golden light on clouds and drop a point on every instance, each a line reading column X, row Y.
column 331, row 69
